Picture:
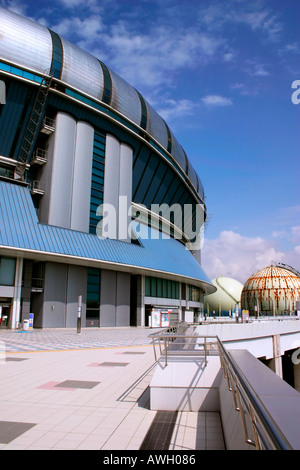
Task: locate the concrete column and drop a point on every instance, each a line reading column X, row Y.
column 16, row 303
column 57, row 175
column 118, row 184
column 277, row 356
column 125, row 191
column 115, row 286
column 180, row 303
column 26, row 289
column 82, row 177
column 143, row 319
column 297, row 376
column 111, row 178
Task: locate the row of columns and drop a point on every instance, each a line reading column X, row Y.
column 67, row 175
column 115, row 286
column 67, row 181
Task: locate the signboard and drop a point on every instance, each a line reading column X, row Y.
column 165, row 319
column 155, row 318
column 189, row 316
column 31, row 321
column 245, row 315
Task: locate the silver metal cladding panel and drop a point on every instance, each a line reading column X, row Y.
column 81, row 70
column 24, row 42
column 200, row 188
column 125, row 98
column 193, row 176
column 178, row 153
column 156, row 126
column 29, row 44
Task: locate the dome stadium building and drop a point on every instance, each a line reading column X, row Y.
column 274, row 290
column 100, row 205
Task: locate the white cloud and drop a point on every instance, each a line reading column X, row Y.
column 251, row 14
column 88, row 4
column 216, row 100
column 237, row 256
column 290, row 48
column 14, row 5
column 295, row 235
column 256, row 69
column 173, row 109
column 292, row 234
column 262, row 20
column 152, row 58
column 86, row 29
column 148, row 57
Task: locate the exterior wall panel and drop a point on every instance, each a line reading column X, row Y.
column 76, row 286
column 123, row 300
column 108, row 298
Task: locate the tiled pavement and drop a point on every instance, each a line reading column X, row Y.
column 61, row 390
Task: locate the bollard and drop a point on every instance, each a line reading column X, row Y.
column 79, row 315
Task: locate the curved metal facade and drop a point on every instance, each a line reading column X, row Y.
column 38, row 49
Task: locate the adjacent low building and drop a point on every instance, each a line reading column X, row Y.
column 93, row 192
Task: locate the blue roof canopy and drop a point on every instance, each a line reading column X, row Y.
column 22, row 234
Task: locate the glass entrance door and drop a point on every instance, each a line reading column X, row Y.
column 5, row 315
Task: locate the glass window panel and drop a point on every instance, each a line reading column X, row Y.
column 147, row 286
column 169, row 289
column 7, row 271
column 165, row 288
column 153, row 286
column 159, row 288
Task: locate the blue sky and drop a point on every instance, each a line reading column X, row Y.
column 220, row 72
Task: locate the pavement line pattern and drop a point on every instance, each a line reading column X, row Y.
column 51, row 400
column 62, row 339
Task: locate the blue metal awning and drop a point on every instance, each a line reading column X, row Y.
column 21, row 234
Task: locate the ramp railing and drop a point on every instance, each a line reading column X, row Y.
column 259, row 428
column 177, row 341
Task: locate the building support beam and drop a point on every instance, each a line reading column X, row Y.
column 16, row 303
column 277, row 356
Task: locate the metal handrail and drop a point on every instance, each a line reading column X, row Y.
column 266, row 433
column 171, row 343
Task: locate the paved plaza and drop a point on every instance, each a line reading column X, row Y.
column 61, row 390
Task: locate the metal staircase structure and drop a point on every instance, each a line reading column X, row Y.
column 32, row 128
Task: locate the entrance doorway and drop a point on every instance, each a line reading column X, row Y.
column 5, row 309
